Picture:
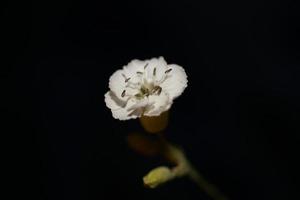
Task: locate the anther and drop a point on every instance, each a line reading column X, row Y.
column 168, row 71
column 140, row 73
column 154, row 71
column 146, row 66
column 127, row 79
column 156, row 90
column 159, row 91
column 123, row 93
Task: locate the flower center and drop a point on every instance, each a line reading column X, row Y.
column 145, row 86
column 152, row 90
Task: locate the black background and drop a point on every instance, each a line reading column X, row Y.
column 238, row 120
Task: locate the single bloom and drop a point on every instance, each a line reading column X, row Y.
column 144, row 87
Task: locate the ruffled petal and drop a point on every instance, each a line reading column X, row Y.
column 119, row 111
column 122, row 85
column 155, row 70
column 123, row 114
column 175, row 82
column 117, row 83
column 157, row 104
column 134, row 71
column 133, row 67
column 112, row 101
column 139, row 104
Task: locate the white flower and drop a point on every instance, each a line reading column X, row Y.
column 145, row 87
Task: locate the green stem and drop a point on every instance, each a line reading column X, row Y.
column 203, row 184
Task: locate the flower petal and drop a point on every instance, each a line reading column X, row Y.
column 112, row 101
column 117, row 83
column 124, row 113
column 157, row 104
column 133, row 67
column 139, row 104
column 155, row 70
column 176, row 81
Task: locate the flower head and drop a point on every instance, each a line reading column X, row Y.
column 145, row 87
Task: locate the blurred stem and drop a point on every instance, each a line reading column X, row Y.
column 174, row 155
column 203, row 184
column 184, row 167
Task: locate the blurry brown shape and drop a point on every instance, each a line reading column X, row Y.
column 144, row 145
column 155, row 124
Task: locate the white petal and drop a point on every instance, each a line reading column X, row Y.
column 158, row 104
column 125, row 113
column 135, row 71
column 176, row 81
column 133, row 67
column 117, row 83
column 122, row 110
column 156, row 68
column 139, row 104
column 112, row 101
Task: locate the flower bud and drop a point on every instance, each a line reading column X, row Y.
column 157, row 177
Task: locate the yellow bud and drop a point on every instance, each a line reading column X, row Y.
column 158, row 176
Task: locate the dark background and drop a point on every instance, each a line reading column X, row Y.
column 238, row 120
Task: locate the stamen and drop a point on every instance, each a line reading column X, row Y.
column 159, row 91
column 127, row 79
column 123, row 93
column 144, row 91
column 154, row 71
column 156, row 90
column 146, row 66
column 140, row 73
column 168, row 71
column 124, row 76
